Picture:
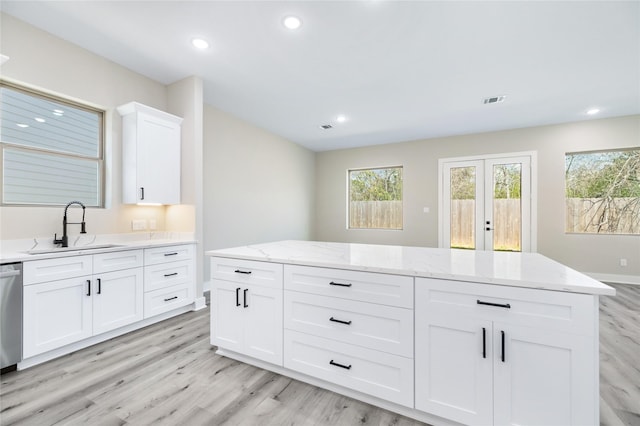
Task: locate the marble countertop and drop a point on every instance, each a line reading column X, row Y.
column 530, row 270
column 43, row 248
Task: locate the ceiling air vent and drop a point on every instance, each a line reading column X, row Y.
column 494, row 100
column 326, row 126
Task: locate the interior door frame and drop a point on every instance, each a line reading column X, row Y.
column 533, row 203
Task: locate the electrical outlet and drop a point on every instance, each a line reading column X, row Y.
column 138, row 225
column 623, row 262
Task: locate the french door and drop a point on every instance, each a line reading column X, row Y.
column 486, row 203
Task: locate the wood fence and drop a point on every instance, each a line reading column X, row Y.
column 597, row 215
column 375, row 214
column 507, row 227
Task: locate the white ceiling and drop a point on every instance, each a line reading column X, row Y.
column 398, row 70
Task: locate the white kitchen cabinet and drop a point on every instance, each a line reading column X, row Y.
column 76, row 307
column 505, row 356
column 246, row 309
column 169, row 278
column 55, row 314
column 150, row 155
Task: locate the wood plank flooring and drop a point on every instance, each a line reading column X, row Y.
column 168, row 374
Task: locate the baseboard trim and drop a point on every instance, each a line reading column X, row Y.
column 615, row 278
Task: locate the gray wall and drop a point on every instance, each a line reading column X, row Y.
column 258, row 187
column 586, row 253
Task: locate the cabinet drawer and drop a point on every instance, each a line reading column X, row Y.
column 157, row 255
column 247, row 272
column 167, row 299
column 383, row 328
column 380, row 374
column 167, row 275
column 559, row 311
column 60, row 268
column 393, row 290
column 115, row 261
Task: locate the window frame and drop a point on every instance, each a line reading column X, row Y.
column 99, row 160
column 348, row 197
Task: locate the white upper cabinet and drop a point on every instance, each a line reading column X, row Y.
column 150, row 155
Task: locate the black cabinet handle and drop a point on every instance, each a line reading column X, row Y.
column 346, row 367
column 171, row 298
column 171, row 274
column 502, row 355
column 340, row 321
column 499, row 305
column 340, row 284
column 88, row 287
column 484, row 342
column 245, row 297
column 170, row 254
column 99, row 286
column 141, row 193
column 238, row 271
column 238, row 296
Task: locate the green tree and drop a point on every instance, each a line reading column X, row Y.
column 376, row 184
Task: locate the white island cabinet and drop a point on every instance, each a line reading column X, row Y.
column 442, row 336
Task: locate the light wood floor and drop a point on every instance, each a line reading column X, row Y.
column 168, row 374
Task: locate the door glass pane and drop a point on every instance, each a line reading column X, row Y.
column 463, row 207
column 507, row 207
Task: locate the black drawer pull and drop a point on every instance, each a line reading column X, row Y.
column 99, row 286
column 88, row 287
column 340, row 321
column 171, row 298
column 238, row 271
column 171, row 254
column 238, row 296
column 502, row 355
column 171, row 274
column 346, row 367
column 246, row 305
column 499, row 305
column 340, row 284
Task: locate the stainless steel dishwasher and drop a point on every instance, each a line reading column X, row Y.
column 10, row 316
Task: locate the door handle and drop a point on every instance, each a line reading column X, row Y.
column 484, row 342
column 502, row 337
column 246, row 305
column 141, row 193
column 88, row 287
column 99, row 286
column 238, row 296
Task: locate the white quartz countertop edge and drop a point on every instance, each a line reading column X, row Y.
column 23, row 256
column 579, row 283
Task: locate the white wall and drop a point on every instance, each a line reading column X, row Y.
column 258, row 187
column 587, row 253
column 42, row 61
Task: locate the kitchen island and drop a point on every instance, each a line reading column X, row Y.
column 443, row 336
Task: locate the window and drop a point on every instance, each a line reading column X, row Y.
column 375, row 198
column 51, row 150
column 603, row 192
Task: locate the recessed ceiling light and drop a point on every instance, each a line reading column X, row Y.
column 341, row 118
column 22, row 125
column 200, row 43
column 58, row 112
column 292, row 22
column 40, row 120
column 593, row 111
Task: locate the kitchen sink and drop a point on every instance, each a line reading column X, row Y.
column 77, row 248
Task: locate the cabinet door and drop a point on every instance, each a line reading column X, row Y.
column 545, row 377
column 158, row 160
column 117, row 299
column 453, row 366
column 263, row 326
column 56, row 313
column 227, row 316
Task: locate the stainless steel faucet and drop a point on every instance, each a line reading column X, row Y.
column 65, row 239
